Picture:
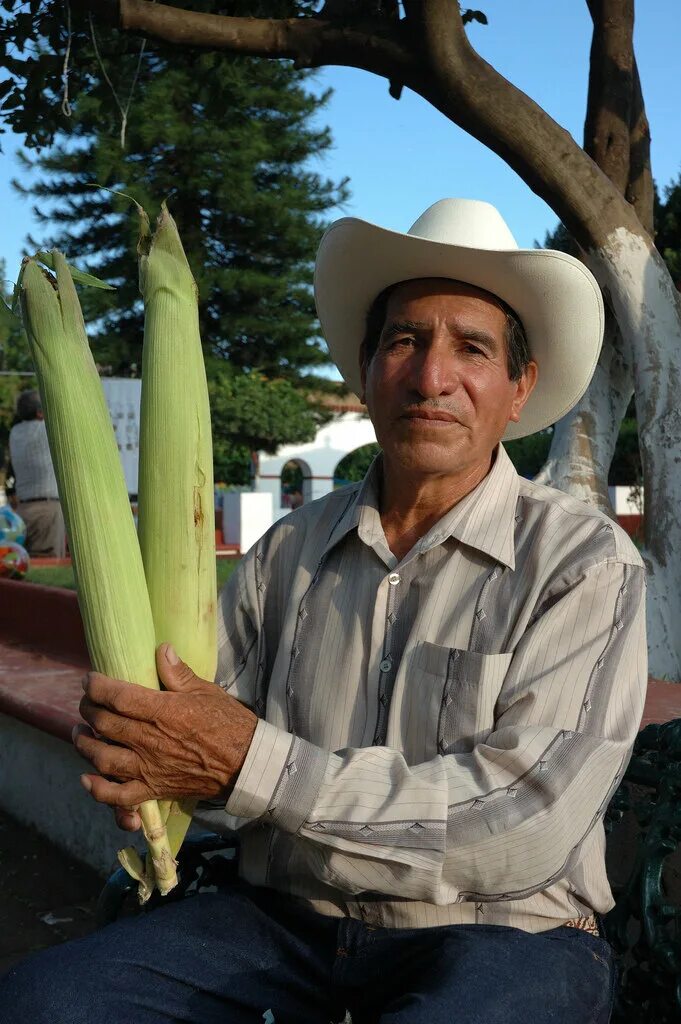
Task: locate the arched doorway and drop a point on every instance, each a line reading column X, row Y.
column 317, row 459
column 296, row 484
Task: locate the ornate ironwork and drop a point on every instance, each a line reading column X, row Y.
column 645, row 925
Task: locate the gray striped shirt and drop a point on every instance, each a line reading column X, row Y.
column 439, row 736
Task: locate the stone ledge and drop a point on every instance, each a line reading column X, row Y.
column 40, row 786
column 40, row 690
column 43, row 656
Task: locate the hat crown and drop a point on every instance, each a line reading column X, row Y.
column 465, row 222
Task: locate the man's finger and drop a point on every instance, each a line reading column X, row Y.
column 107, row 758
column 129, row 699
column 108, row 724
column 115, row 794
column 174, row 673
column 127, row 819
column 80, row 730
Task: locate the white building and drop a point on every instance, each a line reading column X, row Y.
column 318, row 459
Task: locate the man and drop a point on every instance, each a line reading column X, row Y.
column 35, row 483
column 430, row 684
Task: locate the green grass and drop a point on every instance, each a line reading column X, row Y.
column 226, row 567
column 62, row 575
column 59, row 576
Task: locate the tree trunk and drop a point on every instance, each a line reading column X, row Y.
column 648, row 310
column 617, row 138
column 584, row 441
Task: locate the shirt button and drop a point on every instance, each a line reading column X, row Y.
column 386, row 665
column 394, row 579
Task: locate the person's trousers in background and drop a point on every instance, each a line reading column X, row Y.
column 45, row 531
column 229, row 957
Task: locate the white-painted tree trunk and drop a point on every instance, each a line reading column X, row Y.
column 584, row 440
column 648, row 310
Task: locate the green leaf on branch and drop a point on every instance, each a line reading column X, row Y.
column 470, row 15
column 251, row 413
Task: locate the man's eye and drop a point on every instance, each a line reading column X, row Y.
column 474, row 349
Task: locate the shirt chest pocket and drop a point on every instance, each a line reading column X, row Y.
column 449, row 700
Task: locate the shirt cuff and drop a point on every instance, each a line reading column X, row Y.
column 280, row 778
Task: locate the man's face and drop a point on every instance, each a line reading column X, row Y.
column 437, row 388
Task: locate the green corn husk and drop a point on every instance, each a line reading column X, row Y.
column 176, row 516
column 107, row 563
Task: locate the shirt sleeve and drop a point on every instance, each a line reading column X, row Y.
column 504, row 820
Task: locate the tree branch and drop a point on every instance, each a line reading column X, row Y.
column 309, row 41
column 616, row 129
column 475, row 96
column 434, row 59
column 609, row 102
column 640, row 191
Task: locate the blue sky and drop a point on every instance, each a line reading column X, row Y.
column 402, row 156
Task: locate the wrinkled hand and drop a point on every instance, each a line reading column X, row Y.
column 189, row 740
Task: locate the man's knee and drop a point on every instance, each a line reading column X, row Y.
column 44, row 988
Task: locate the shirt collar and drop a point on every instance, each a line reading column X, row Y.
column 362, row 508
column 484, row 519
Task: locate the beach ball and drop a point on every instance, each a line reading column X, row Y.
column 12, row 526
column 14, row 560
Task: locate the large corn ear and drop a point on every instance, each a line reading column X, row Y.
column 112, row 590
column 176, row 518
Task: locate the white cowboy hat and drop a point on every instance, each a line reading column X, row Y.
column 554, row 295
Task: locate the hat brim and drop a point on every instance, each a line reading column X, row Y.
column 555, row 296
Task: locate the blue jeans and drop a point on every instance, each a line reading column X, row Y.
column 229, row 957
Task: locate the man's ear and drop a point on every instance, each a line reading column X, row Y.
column 524, row 390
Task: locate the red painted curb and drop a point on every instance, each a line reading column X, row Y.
column 663, row 702
column 45, row 618
column 40, row 690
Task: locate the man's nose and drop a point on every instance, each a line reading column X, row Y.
column 434, row 373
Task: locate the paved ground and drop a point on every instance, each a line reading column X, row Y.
column 45, row 897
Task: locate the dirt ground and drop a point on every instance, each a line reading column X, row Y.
column 45, row 896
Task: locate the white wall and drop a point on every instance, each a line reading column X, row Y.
column 626, row 501
column 123, row 399
column 245, row 517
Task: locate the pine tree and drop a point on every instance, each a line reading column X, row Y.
column 668, row 228
column 229, row 143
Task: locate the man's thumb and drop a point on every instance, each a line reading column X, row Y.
column 173, row 672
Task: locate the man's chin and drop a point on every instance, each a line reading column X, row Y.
column 427, row 456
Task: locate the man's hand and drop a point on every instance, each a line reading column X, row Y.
column 189, row 740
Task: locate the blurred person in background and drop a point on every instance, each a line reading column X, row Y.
column 35, row 484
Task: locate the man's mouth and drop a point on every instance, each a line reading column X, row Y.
column 432, row 415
